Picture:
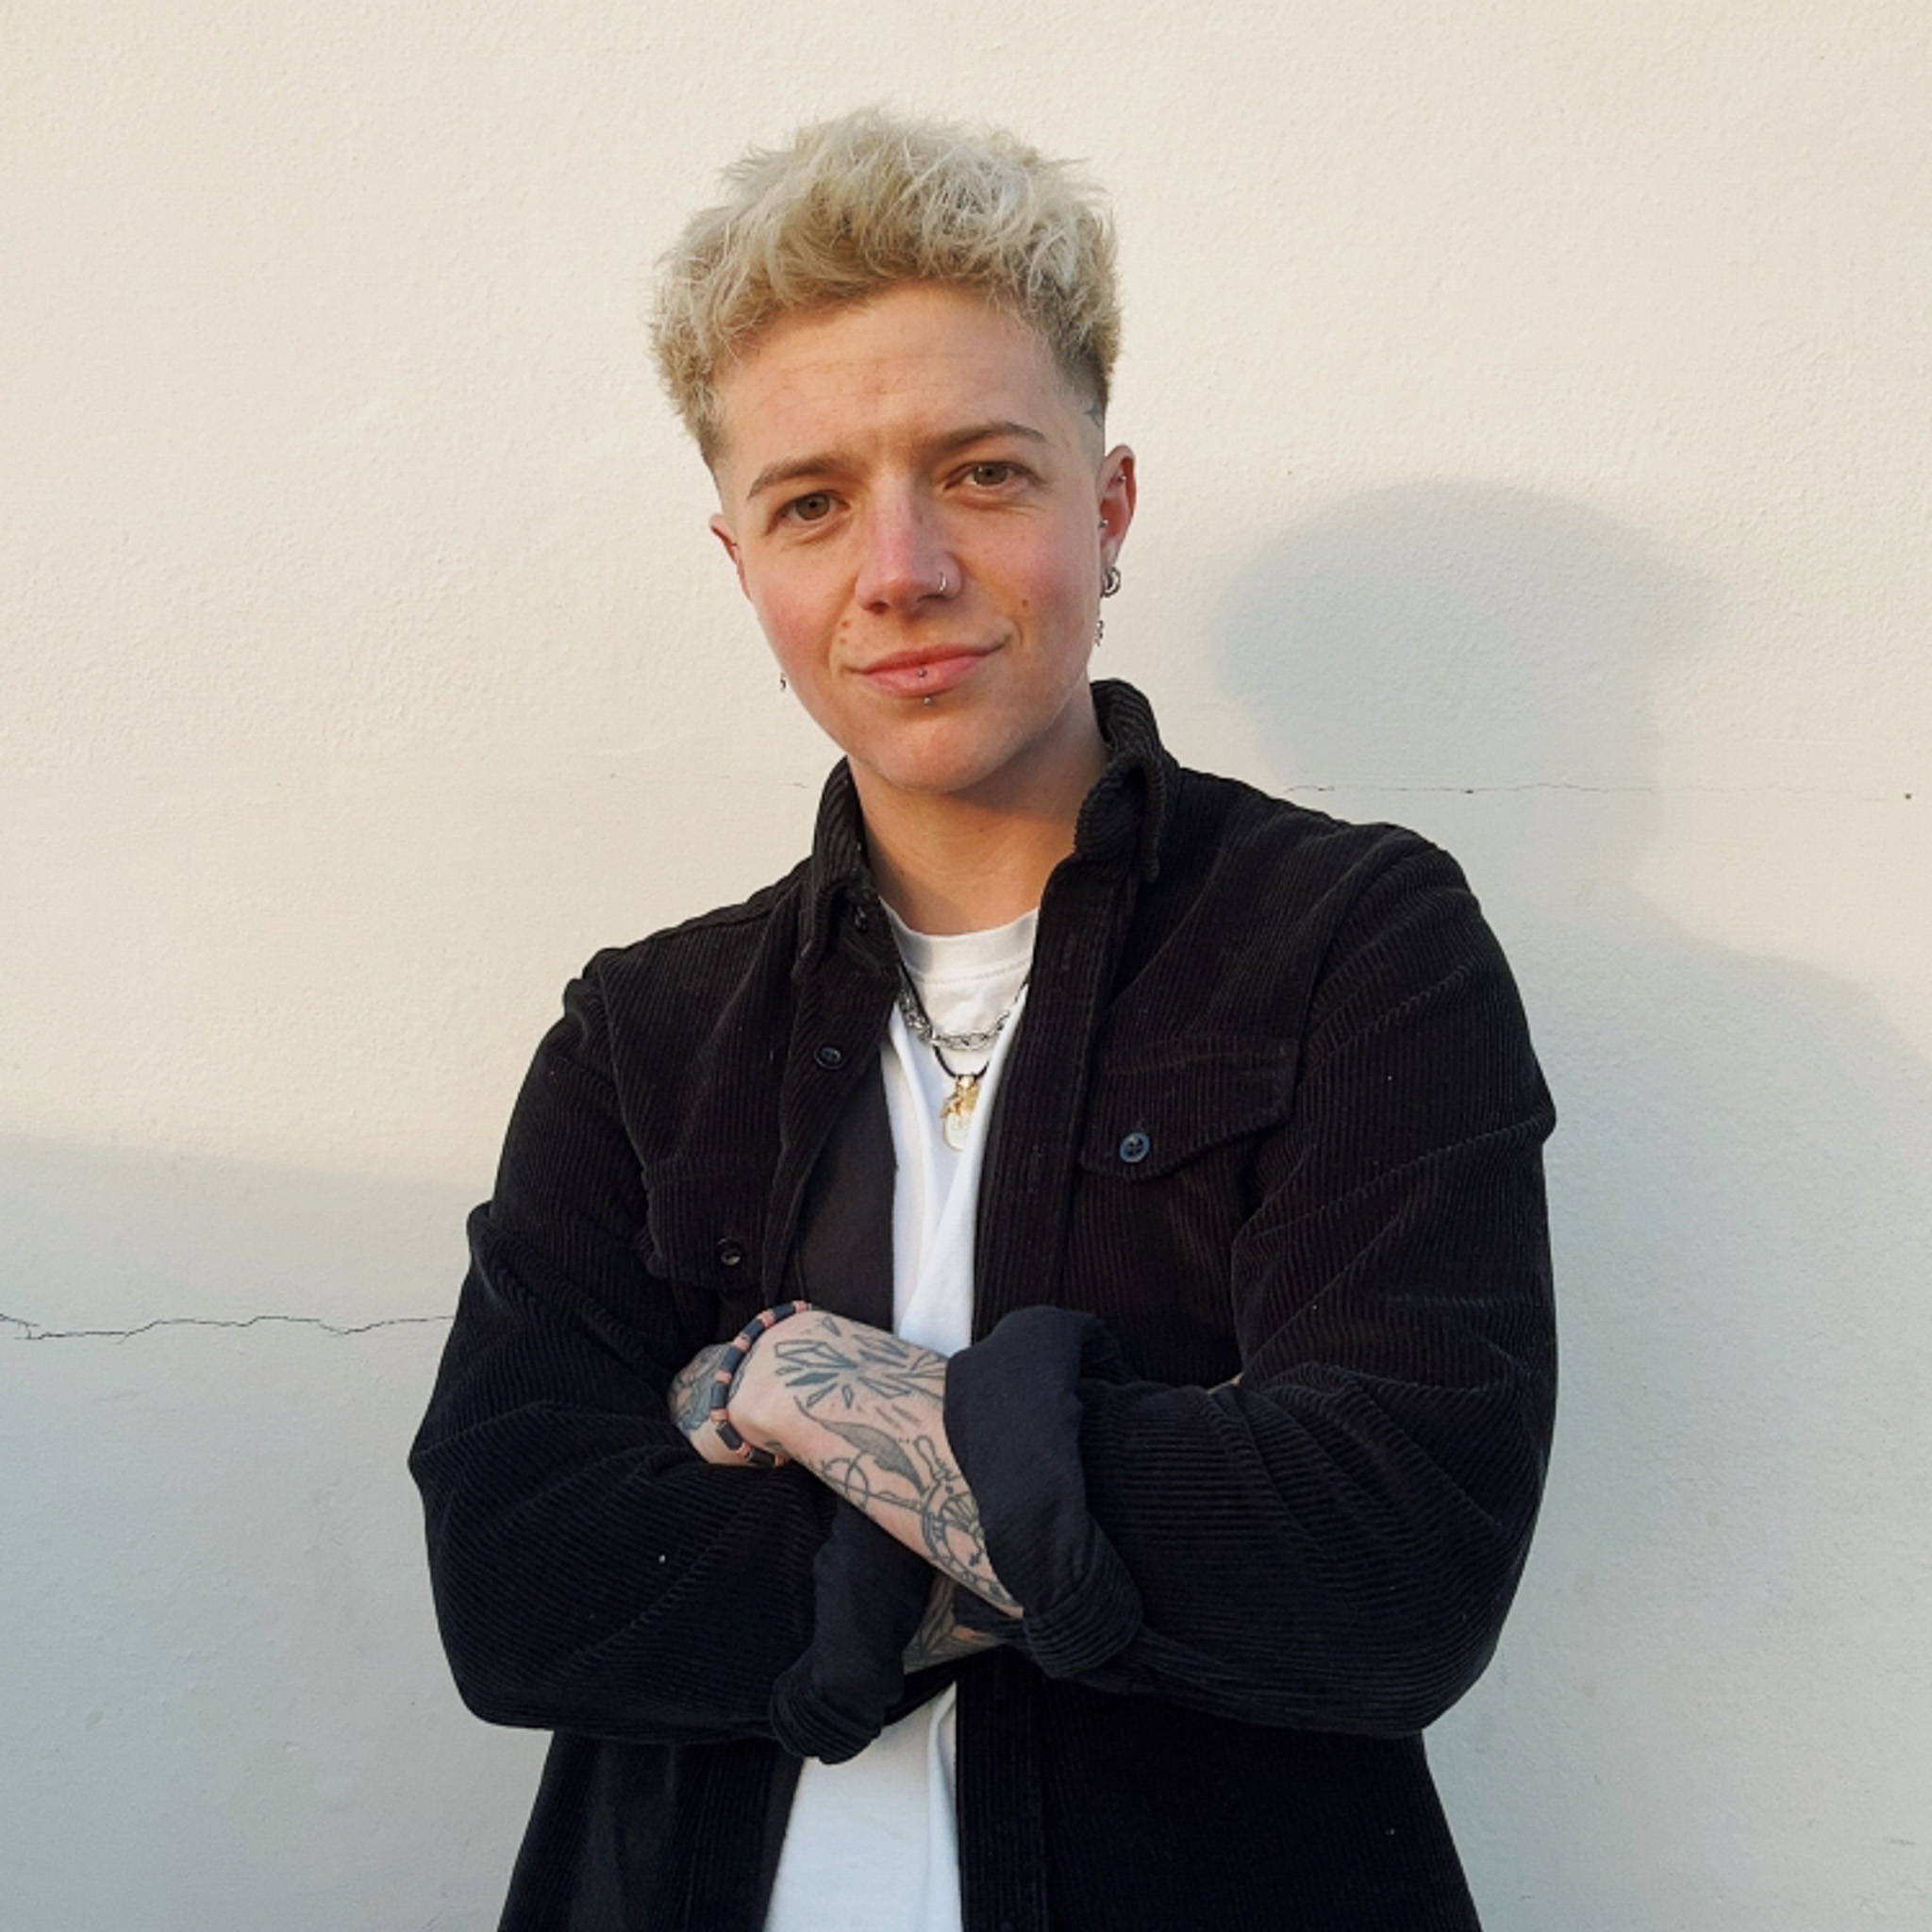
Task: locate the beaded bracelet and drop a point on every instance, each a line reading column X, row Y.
column 725, row 1378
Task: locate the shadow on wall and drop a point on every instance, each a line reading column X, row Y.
column 1703, row 1695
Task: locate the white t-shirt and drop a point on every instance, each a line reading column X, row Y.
column 872, row 1844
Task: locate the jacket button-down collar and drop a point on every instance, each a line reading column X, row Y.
column 1122, row 819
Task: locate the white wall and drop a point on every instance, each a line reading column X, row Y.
column 1531, row 401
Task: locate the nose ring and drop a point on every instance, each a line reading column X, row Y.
column 942, row 583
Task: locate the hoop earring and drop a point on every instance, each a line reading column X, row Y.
column 1111, row 581
column 782, row 685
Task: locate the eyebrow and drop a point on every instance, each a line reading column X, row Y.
column 794, row 467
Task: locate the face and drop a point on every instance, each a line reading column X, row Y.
column 921, row 512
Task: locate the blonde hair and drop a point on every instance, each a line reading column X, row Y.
column 857, row 204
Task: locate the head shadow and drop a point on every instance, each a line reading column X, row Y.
column 1739, row 1149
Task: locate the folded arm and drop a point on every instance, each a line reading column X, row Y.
column 887, row 1441
column 864, row 1412
column 1331, row 1541
column 590, row 1573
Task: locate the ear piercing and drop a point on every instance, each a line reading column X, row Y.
column 1110, row 583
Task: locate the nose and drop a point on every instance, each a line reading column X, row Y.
column 905, row 561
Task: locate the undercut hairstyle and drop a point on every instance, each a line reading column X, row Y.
column 858, row 204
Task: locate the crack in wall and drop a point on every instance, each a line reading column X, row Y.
column 32, row 1331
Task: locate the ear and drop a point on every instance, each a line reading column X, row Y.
column 721, row 530
column 1119, row 493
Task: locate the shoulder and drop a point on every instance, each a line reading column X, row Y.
column 1256, row 903
column 708, row 941
column 1380, row 919
column 1329, row 932
column 1231, row 838
column 669, row 978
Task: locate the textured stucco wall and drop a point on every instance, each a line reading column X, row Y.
column 1531, row 402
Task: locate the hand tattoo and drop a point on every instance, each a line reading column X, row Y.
column 844, row 1361
column 691, row 1391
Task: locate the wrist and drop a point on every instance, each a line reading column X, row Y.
column 743, row 1405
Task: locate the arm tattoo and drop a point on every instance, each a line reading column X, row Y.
column 928, row 1644
column 923, row 1481
column 941, row 1639
column 845, row 1371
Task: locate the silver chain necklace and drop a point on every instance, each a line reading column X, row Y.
column 956, row 1111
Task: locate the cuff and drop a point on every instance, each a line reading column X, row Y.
column 1013, row 1412
column 868, row 1594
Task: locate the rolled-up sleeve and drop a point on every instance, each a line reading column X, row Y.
column 1333, row 1541
column 591, row 1570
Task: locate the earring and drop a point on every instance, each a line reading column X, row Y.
column 1099, row 631
column 1111, row 581
column 782, row 685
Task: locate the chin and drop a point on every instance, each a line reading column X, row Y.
column 940, row 761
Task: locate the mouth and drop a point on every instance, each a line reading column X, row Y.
column 926, row 673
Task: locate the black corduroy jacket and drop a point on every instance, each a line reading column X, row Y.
column 1272, row 1112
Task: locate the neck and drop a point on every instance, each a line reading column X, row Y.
column 953, row 862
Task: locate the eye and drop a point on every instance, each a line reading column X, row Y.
column 993, row 474
column 812, row 508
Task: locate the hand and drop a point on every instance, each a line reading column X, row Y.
column 690, row 1402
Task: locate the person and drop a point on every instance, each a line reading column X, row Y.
column 1006, row 1378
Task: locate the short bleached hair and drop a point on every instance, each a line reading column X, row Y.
column 857, row 205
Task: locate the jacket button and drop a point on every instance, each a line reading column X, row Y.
column 1135, row 1147
column 730, row 1254
column 829, row 1058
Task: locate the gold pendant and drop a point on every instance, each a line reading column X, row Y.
column 956, row 1111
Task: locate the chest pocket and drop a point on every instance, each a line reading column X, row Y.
column 1157, row 1108
column 703, row 1234
column 1168, row 1176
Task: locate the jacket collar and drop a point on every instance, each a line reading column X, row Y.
column 1122, row 819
